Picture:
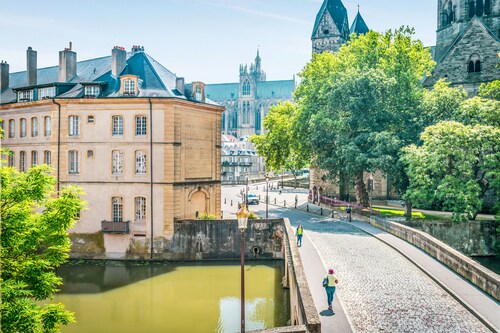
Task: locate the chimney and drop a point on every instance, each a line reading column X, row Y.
column 118, row 60
column 67, row 64
column 31, row 71
column 179, row 84
column 4, row 75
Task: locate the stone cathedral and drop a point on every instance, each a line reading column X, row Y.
column 467, row 43
column 248, row 101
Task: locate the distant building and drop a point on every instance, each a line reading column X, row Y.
column 248, row 101
column 143, row 145
column 240, row 160
column 467, row 43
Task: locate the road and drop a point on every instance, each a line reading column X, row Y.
column 379, row 289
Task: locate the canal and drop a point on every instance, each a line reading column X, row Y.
column 131, row 297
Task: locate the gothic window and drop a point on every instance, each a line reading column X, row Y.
column 246, row 112
column 487, row 7
column 451, row 14
column 245, row 91
column 474, row 63
column 479, row 7
column 472, row 8
column 223, row 121
column 257, row 120
column 235, row 120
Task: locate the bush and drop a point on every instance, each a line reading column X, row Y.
column 253, row 216
column 206, row 216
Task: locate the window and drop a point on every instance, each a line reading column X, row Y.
column 34, row 126
column 487, row 7
column 117, row 209
column 90, row 119
column 246, row 112
column 48, row 92
column 23, row 127
column 117, row 126
column 90, row 153
column 34, row 158
column 479, row 8
column 246, row 88
column 198, row 93
column 47, row 124
column 73, row 161
column 117, row 162
column 11, row 159
column 140, row 125
column 47, row 157
column 74, row 125
column 370, row 184
column 12, row 128
column 472, row 8
column 326, row 31
column 140, row 163
column 474, row 64
column 129, row 87
column 25, row 96
column 140, row 209
column 92, row 91
column 22, row 161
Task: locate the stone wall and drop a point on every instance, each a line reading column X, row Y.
column 482, row 277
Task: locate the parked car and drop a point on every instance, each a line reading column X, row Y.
column 253, row 199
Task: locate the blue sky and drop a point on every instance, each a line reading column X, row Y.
column 202, row 40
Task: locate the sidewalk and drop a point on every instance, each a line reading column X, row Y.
column 334, row 321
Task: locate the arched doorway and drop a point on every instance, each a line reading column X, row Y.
column 197, row 202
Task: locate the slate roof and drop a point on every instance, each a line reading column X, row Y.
column 337, row 11
column 154, row 79
column 358, row 25
column 265, row 90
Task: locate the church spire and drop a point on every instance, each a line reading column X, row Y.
column 358, row 25
column 331, row 28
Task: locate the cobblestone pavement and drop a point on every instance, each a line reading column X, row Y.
column 381, row 290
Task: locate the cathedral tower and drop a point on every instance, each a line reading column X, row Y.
column 331, row 28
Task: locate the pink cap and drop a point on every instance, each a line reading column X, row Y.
column 330, row 271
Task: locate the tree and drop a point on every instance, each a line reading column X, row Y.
column 34, row 241
column 277, row 145
column 478, row 110
column 357, row 107
column 490, row 90
column 454, row 167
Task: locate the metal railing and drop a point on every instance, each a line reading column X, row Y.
column 115, row 227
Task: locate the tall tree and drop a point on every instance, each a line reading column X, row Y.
column 358, row 106
column 34, row 241
column 454, row 167
column 277, row 145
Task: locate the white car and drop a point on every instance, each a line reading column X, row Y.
column 253, row 199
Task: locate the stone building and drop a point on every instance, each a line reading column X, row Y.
column 248, row 101
column 240, row 160
column 143, row 145
column 467, row 43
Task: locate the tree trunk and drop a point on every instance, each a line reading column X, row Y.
column 361, row 193
column 408, row 207
column 343, row 188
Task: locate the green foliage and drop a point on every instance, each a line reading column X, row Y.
column 480, row 111
column 454, row 168
column 490, row 90
column 277, row 145
column 34, row 242
column 253, row 216
column 357, row 107
column 206, row 216
column 388, row 212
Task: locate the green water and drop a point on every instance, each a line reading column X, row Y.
column 167, row 297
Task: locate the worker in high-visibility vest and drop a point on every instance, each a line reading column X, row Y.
column 300, row 232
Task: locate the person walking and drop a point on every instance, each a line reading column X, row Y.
column 300, row 232
column 330, row 282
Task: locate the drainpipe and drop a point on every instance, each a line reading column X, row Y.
column 151, row 171
column 58, row 143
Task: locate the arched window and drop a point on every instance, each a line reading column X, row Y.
column 472, row 8
column 474, row 63
column 487, row 7
column 246, row 112
column 47, row 125
column 22, row 161
column 34, row 126
column 34, row 158
column 23, row 127
column 245, row 90
column 117, row 209
column 451, row 13
column 235, row 119
column 479, row 7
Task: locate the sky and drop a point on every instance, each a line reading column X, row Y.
column 201, row 40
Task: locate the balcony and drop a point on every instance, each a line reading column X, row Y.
column 111, row 227
column 226, row 163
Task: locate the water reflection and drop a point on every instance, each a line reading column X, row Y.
column 166, row 297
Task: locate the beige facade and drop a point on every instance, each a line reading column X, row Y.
column 97, row 147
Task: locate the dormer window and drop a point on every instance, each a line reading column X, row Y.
column 47, row 92
column 25, row 95
column 198, row 93
column 326, row 31
column 129, row 87
column 92, row 90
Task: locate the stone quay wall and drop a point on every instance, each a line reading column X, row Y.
column 480, row 276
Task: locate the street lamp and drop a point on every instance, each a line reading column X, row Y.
column 267, row 196
column 371, row 205
column 246, row 189
column 242, row 216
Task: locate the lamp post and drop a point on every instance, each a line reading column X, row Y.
column 267, row 196
column 246, row 190
column 242, row 216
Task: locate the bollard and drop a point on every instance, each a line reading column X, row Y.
column 259, row 197
column 231, row 202
column 321, row 211
column 333, row 214
column 224, row 200
column 284, row 203
column 307, row 206
column 275, row 201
